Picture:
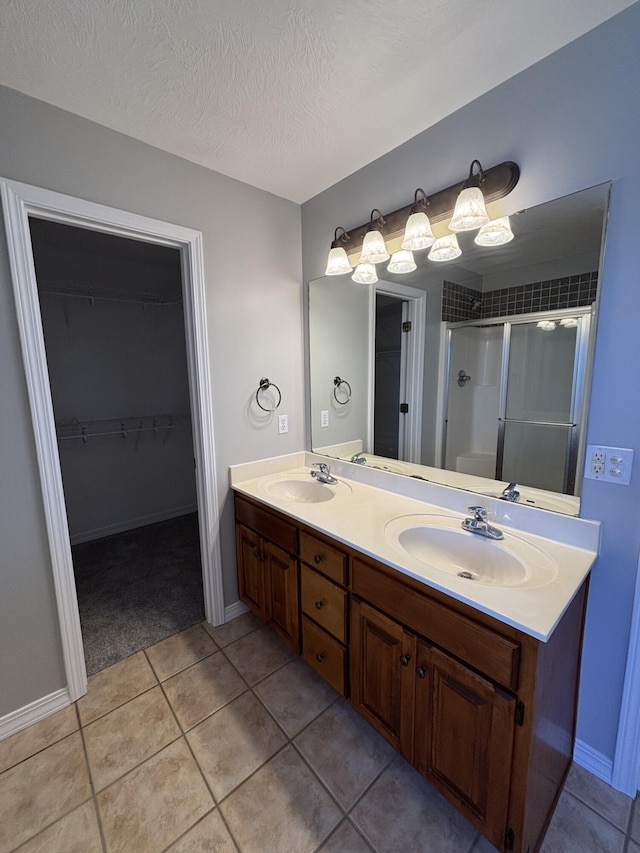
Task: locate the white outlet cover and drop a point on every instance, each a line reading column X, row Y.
column 618, row 462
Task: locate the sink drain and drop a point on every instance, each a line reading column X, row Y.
column 467, row 575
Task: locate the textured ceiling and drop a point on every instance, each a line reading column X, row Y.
column 288, row 95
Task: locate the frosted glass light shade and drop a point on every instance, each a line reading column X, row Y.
column 495, row 233
column 445, row 248
column 547, row 325
column 402, row 262
column 569, row 322
column 338, row 262
column 470, row 212
column 418, row 233
column 374, row 250
column 365, row 274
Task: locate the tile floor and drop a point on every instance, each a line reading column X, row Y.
column 219, row 739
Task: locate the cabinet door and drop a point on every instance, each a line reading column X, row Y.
column 464, row 739
column 251, row 570
column 282, row 594
column 382, row 675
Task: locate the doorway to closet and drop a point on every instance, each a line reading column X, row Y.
column 114, row 334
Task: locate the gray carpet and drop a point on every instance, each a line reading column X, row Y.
column 136, row 588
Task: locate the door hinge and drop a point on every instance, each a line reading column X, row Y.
column 406, row 326
column 404, row 408
column 509, row 839
column 519, row 714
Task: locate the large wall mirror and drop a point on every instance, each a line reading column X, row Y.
column 473, row 373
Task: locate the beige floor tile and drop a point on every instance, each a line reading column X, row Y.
column 37, row 737
column 234, row 742
column 154, row 804
column 295, row 695
column 402, row 811
column 77, row 832
column 180, row 651
column 114, row 686
column 208, row 836
column 633, row 847
column 611, row 804
column 345, row 752
column 345, row 840
column 233, row 630
column 634, row 832
column 575, row 828
column 127, row 736
column 197, row 692
column 282, row 808
column 41, row 790
column 258, row 655
column 484, row 846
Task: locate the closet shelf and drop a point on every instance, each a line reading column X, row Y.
column 124, row 427
column 110, row 295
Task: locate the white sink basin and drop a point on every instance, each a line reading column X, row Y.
column 302, row 488
column 439, row 542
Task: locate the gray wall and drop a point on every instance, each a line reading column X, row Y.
column 254, row 316
column 571, row 121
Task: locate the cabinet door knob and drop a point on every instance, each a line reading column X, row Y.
column 319, row 605
column 256, row 554
column 320, row 657
column 317, row 558
column 421, row 672
column 404, row 660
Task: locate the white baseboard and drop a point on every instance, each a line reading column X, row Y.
column 593, row 761
column 233, row 610
column 121, row 527
column 33, row 713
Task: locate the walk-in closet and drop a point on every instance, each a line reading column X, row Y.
column 114, row 333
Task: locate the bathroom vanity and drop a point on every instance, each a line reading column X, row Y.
column 474, row 682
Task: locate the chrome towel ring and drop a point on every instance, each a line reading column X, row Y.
column 264, row 385
column 337, row 382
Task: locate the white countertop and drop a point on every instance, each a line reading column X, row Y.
column 365, row 501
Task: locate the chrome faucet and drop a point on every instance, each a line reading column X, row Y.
column 323, row 475
column 358, row 458
column 479, row 524
column 511, row 493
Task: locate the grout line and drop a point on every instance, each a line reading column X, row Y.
column 94, row 797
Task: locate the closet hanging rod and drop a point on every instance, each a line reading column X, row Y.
column 84, row 430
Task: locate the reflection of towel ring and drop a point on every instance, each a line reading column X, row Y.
column 263, row 386
column 337, row 383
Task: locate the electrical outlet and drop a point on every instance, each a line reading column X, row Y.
column 324, row 418
column 283, row 424
column 612, row 464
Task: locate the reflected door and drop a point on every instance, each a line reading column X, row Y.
column 539, row 427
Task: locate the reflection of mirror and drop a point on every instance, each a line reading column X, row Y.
column 519, row 416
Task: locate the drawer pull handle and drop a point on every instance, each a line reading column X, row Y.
column 317, row 558
column 320, row 657
column 319, row 605
column 404, row 660
column 421, row 672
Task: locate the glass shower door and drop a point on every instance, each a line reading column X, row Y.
column 539, row 429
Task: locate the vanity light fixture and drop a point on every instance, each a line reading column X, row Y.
column 374, row 250
column 418, row 233
column 445, row 249
column 402, row 262
column 470, row 212
column 547, row 325
column 365, row 274
column 569, row 322
column 495, row 233
column 338, row 262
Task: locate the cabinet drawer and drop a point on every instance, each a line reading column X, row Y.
column 325, row 558
column 269, row 525
column 324, row 602
column 325, row 654
column 483, row 649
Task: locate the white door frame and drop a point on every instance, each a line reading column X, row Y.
column 412, row 378
column 19, row 202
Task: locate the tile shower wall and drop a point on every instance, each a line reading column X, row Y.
column 465, row 303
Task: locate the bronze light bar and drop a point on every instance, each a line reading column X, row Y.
column 498, row 182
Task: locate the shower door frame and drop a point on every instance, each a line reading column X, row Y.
column 577, row 415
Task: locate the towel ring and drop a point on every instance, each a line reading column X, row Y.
column 337, row 382
column 263, row 386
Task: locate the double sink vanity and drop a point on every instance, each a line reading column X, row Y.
column 462, row 649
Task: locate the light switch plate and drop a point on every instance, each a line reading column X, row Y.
column 612, row 464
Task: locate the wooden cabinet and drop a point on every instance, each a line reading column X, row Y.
column 482, row 710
